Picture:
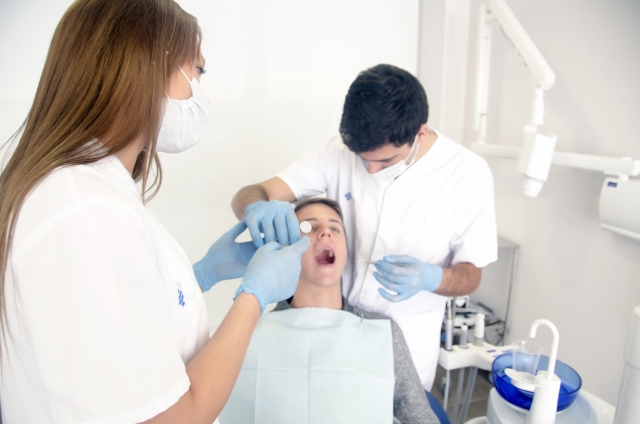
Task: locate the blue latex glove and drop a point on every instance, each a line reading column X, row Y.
column 272, row 274
column 275, row 219
column 225, row 260
column 406, row 276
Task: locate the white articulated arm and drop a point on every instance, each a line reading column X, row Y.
column 483, row 67
column 538, row 151
column 542, row 72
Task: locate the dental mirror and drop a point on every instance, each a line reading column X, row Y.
column 305, row 227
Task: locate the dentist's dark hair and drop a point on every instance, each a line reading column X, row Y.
column 102, row 87
column 385, row 104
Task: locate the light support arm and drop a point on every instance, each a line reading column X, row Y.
column 483, row 67
column 533, row 59
column 622, row 168
column 538, row 151
column 543, row 75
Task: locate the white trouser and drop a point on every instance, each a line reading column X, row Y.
column 422, row 333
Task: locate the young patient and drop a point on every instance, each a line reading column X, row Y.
column 319, row 287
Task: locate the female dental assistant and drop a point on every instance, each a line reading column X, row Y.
column 103, row 320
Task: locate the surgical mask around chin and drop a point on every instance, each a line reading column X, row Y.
column 184, row 121
column 395, row 170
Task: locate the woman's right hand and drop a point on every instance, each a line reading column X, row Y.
column 273, row 272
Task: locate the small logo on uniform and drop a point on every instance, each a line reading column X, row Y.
column 180, row 298
column 348, row 196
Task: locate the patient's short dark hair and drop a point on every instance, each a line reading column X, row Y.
column 321, row 201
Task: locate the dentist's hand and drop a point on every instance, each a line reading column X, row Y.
column 225, row 260
column 275, row 219
column 272, row 274
column 406, row 276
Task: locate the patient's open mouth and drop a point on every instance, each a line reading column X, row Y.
column 326, row 256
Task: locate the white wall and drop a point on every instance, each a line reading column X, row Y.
column 584, row 279
column 278, row 71
column 26, row 28
column 444, row 63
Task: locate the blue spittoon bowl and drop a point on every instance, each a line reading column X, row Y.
column 569, row 387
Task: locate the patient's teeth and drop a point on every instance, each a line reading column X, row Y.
column 331, row 253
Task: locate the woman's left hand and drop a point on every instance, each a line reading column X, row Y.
column 225, row 260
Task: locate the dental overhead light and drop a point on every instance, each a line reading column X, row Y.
column 538, row 151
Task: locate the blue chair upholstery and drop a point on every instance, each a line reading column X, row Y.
column 438, row 409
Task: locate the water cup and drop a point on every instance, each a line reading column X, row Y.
column 526, row 355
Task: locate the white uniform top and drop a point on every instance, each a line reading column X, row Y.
column 440, row 211
column 103, row 309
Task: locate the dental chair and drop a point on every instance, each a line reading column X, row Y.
column 438, row 409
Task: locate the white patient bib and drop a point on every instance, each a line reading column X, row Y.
column 314, row 365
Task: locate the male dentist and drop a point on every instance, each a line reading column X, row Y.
column 418, row 208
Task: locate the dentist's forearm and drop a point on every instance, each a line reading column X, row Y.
column 459, row 280
column 272, row 189
column 246, row 196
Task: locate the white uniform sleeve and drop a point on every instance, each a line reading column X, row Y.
column 475, row 240
column 95, row 312
column 310, row 176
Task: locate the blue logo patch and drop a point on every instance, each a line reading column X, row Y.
column 612, row 184
column 347, row 196
column 180, row 298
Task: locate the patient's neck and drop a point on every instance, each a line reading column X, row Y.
column 308, row 295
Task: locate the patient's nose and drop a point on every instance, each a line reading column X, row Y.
column 324, row 232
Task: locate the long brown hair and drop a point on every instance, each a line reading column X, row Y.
column 104, row 79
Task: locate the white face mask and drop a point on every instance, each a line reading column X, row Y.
column 395, row 170
column 184, row 121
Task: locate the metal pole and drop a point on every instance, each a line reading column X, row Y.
column 512, row 279
column 446, row 390
column 468, row 393
column 458, row 395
